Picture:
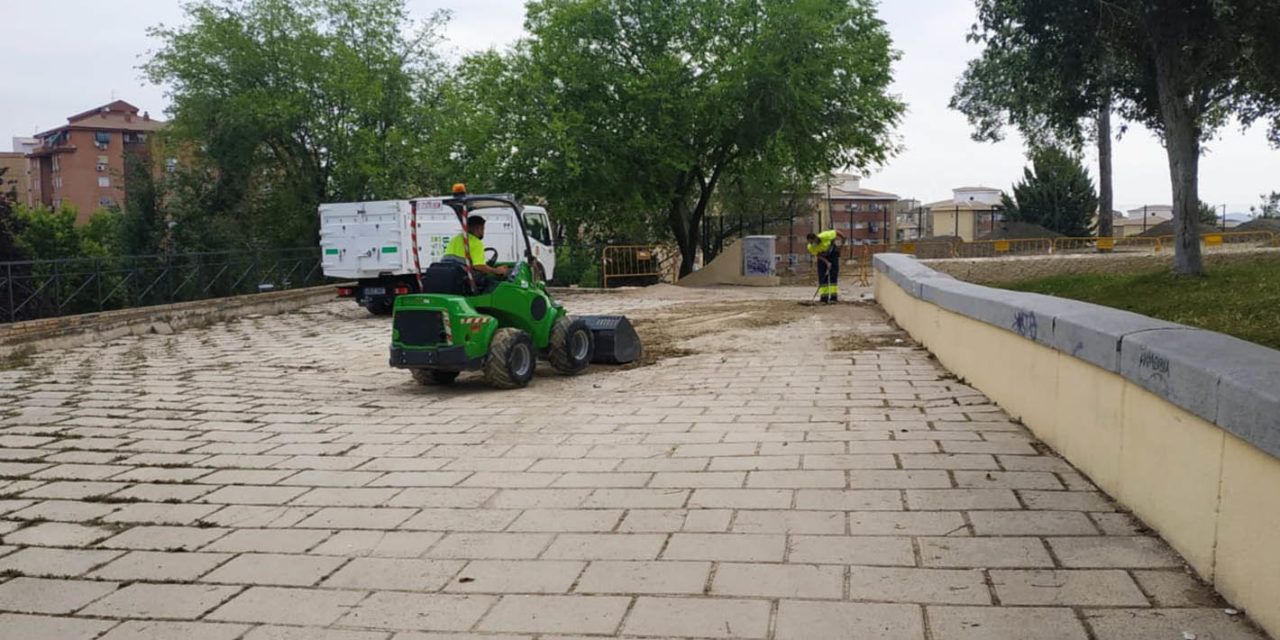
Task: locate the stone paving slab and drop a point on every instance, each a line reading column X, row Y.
column 272, row 479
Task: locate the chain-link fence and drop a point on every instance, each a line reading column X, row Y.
column 31, row 290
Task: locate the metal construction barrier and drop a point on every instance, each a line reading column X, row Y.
column 926, row 249
column 637, row 265
column 31, row 290
column 863, row 255
column 994, row 248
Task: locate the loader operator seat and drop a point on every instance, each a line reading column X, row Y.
column 447, row 277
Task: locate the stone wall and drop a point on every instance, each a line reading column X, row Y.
column 1180, row 425
column 71, row 331
column 1016, row 269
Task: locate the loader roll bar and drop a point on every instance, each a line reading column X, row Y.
column 461, row 203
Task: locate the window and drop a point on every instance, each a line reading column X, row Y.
column 171, row 165
column 57, row 166
column 102, row 163
column 105, row 201
column 102, row 139
column 538, row 227
column 104, row 182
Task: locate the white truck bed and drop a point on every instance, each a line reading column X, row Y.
column 368, row 240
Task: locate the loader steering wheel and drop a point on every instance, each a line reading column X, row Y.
column 491, row 259
column 513, row 272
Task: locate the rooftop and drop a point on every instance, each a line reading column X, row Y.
column 124, row 120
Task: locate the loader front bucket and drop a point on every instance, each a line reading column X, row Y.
column 616, row 340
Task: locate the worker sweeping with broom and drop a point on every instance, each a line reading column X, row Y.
column 825, row 246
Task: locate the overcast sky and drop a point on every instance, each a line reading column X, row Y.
column 66, row 56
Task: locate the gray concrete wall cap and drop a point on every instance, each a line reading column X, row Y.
column 1093, row 333
column 1171, row 363
column 1026, row 314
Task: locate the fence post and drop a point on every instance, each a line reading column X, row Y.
column 57, row 290
column 13, row 314
column 98, row 284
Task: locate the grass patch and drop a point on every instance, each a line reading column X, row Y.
column 1238, row 299
column 19, row 358
column 110, row 499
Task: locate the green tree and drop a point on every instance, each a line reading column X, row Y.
column 1208, row 215
column 1179, row 67
column 1055, row 193
column 1045, row 86
column 289, row 103
column 140, row 225
column 1270, row 206
column 650, row 105
column 9, row 226
column 48, row 234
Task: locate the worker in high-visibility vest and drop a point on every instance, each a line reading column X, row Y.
column 472, row 243
column 826, row 249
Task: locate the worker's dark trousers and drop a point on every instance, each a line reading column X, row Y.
column 829, row 275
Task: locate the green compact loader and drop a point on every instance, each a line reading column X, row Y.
column 467, row 321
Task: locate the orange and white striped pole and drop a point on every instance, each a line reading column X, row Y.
column 413, row 237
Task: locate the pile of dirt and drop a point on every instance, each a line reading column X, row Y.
column 1020, row 231
column 1167, row 229
column 1260, row 224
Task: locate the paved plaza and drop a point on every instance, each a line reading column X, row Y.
column 776, row 471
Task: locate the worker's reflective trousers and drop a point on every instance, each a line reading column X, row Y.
column 829, row 275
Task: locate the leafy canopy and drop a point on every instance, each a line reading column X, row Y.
column 288, row 103
column 651, row 105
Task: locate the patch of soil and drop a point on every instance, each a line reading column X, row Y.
column 664, row 333
column 859, row 341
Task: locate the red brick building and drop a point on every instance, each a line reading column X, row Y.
column 82, row 163
column 864, row 216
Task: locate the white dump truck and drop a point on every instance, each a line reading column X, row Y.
column 371, row 244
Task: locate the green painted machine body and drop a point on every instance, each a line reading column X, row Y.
column 453, row 332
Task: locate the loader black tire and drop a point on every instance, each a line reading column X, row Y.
column 571, row 346
column 434, row 377
column 511, row 359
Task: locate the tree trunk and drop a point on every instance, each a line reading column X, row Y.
column 1182, row 144
column 686, row 229
column 1105, row 194
column 685, row 233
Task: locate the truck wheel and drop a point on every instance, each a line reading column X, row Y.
column 381, row 306
column 434, row 377
column 572, row 345
column 511, row 359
